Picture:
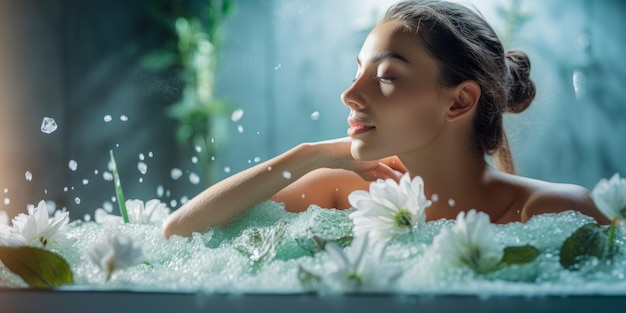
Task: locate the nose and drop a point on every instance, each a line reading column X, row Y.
column 353, row 96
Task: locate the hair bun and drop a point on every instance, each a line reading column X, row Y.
column 521, row 89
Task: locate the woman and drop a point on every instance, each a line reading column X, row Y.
column 432, row 84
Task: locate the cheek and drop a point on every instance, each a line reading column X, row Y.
column 416, row 123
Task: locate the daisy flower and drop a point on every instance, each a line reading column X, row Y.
column 389, row 208
column 470, row 242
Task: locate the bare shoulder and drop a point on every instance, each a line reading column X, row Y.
column 545, row 197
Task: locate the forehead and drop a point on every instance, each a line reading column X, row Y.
column 391, row 36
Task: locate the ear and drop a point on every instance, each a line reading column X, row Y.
column 466, row 96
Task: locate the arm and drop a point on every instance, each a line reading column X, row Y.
column 219, row 203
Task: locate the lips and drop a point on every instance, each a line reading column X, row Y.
column 358, row 126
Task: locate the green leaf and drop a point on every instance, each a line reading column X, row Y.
column 159, row 60
column 519, row 255
column 37, row 267
column 118, row 190
column 590, row 240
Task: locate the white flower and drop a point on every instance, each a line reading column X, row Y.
column 610, row 197
column 117, row 251
column 356, row 269
column 152, row 212
column 389, row 208
column 38, row 229
column 470, row 242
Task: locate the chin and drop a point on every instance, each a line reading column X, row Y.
column 361, row 152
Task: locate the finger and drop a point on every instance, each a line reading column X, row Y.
column 384, row 171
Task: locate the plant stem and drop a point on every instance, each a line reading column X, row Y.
column 611, row 236
column 118, row 190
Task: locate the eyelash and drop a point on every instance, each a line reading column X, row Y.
column 382, row 79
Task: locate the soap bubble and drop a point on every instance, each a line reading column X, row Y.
column 142, row 167
column 315, row 115
column 73, row 165
column 176, row 173
column 107, row 176
column 194, row 178
column 107, row 118
column 237, row 115
column 28, row 175
column 48, row 125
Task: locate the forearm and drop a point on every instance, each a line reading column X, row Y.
column 219, row 203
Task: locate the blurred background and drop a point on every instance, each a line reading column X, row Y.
column 187, row 92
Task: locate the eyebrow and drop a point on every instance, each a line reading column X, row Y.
column 383, row 55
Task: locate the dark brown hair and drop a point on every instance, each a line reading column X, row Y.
column 465, row 47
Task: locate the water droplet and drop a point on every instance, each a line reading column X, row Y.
column 87, row 217
column 237, row 115
column 287, row 174
column 226, row 169
column 240, row 129
column 173, row 203
column 184, row 199
column 95, row 172
column 194, row 178
column 451, row 202
column 434, row 197
column 7, row 201
column 140, row 180
column 278, row 67
column 167, row 193
column 249, row 161
column 194, row 159
column 65, row 189
column 303, row 196
column 107, row 118
column 77, row 200
column 212, row 158
column 257, row 159
column 111, row 166
column 159, row 191
column 142, row 167
column 198, row 149
column 176, row 173
column 113, row 199
column 269, row 168
column 150, row 154
column 28, row 175
column 45, row 191
column 107, row 206
column 48, row 125
column 212, row 140
column 85, row 181
column 141, row 157
column 6, row 190
column 315, row 115
column 123, row 118
column 72, row 188
column 107, row 176
column 336, row 189
column 579, row 80
column 73, row 165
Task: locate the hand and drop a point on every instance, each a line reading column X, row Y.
column 338, row 150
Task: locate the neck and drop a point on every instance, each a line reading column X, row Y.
column 456, row 175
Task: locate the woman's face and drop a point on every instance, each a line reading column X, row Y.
column 397, row 105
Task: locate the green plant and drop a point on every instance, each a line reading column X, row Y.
column 195, row 28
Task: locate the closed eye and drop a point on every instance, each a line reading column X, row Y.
column 385, row 79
